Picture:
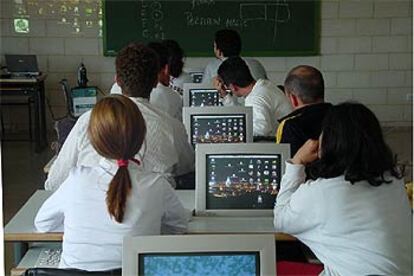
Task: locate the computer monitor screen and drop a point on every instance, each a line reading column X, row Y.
column 242, row 181
column 206, row 254
column 239, row 181
column 204, row 97
column 200, row 263
column 83, row 99
column 197, row 76
column 217, row 128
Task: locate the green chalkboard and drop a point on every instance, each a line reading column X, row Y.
column 267, row 28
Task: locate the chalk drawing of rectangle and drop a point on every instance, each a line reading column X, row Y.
column 253, row 11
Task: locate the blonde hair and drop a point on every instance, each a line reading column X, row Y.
column 116, row 131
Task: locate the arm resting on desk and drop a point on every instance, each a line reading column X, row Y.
column 50, row 217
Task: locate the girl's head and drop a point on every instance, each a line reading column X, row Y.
column 352, row 144
column 117, row 131
column 175, row 57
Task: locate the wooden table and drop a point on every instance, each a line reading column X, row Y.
column 34, row 88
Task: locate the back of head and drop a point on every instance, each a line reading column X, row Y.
column 117, row 131
column 175, row 57
column 352, row 145
column 306, row 83
column 229, row 42
column 234, row 70
column 137, row 68
column 161, row 51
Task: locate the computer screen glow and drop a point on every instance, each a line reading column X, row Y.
column 204, row 263
column 242, row 181
column 204, row 97
column 218, row 128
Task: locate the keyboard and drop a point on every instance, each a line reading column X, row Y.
column 49, row 258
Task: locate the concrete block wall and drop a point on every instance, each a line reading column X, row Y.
column 366, row 54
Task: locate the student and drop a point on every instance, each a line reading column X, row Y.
column 166, row 148
column 162, row 96
column 267, row 101
column 97, row 206
column 227, row 43
column 175, row 65
column 304, row 86
column 353, row 213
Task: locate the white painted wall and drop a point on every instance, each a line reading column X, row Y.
column 366, row 54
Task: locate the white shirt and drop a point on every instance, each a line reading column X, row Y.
column 116, row 89
column 167, row 100
column 166, row 148
column 353, row 229
column 268, row 103
column 92, row 239
column 177, row 84
column 256, row 69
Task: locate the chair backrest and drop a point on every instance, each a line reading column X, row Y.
column 68, row 99
column 69, row 272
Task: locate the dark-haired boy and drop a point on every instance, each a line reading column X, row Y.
column 227, row 43
column 304, row 86
column 268, row 102
column 166, row 149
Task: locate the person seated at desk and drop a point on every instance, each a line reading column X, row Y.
column 352, row 212
column 227, row 43
column 166, row 148
column 162, row 96
column 98, row 206
column 175, row 65
column 267, row 101
column 304, row 86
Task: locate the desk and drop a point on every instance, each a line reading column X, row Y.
column 35, row 88
column 21, row 229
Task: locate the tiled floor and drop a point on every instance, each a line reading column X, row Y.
column 23, row 171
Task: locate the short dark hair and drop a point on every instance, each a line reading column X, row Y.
column 175, row 57
column 137, row 68
column 353, row 145
column 161, row 51
column 229, row 42
column 234, row 70
column 305, row 82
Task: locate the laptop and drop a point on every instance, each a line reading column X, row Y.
column 22, row 65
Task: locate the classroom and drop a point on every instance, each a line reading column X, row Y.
column 243, row 194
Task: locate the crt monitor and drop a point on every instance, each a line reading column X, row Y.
column 199, row 255
column 218, row 124
column 195, row 94
column 83, row 99
column 234, row 180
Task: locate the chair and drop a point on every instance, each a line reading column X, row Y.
column 69, row 272
column 64, row 125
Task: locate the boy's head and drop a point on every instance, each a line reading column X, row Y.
column 227, row 43
column 235, row 74
column 162, row 52
column 137, row 68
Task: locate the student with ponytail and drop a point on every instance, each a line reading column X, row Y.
column 97, row 206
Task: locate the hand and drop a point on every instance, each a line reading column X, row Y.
column 219, row 85
column 307, row 153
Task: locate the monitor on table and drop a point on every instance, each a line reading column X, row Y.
column 83, row 99
column 238, row 180
column 195, row 94
column 199, row 255
column 218, row 124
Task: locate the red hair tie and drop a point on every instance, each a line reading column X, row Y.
column 124, row 163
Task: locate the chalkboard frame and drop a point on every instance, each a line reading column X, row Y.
column 277, row 53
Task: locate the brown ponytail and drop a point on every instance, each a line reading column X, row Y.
column 117, row 131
